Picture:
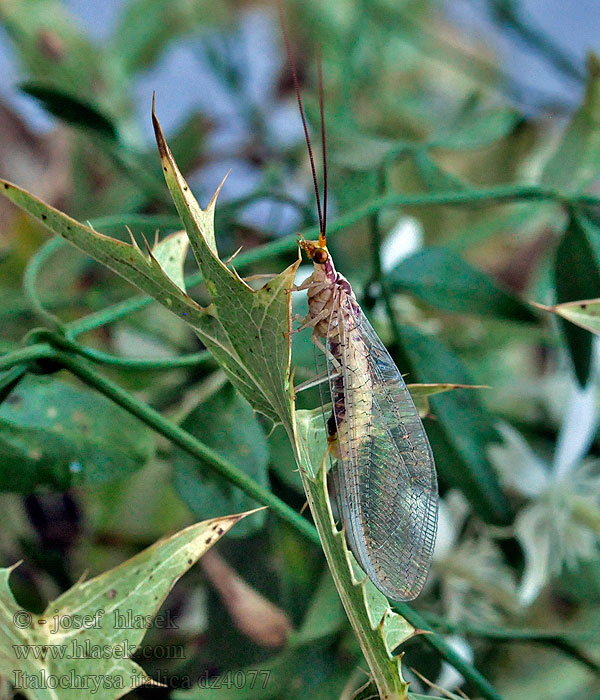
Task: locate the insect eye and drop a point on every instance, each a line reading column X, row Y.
column 320, row 256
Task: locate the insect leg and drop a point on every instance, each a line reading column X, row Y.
column 315, row 381
column 315, row 319
column 302, row 321
column 317, row 287
column 305, row 285
column 317, row 341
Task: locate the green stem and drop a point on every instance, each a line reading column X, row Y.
column 564, row 641
column 284, row 246
column 229, row 471
column 10, row 380
column 59, row 341
column 31, row 353
column 30, row 278
column 187, row 442
column 376, row 242
column 469, row 672
column 509, row 634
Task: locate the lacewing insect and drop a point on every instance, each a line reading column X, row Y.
column 385, row 480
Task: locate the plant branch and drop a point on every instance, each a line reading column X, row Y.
column 288, row 244
column 467, row 670
column 229, row 471
column 187, row 442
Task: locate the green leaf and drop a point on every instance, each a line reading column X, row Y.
column 248, row 331
column 577, row 276
column 585, row 314
column 576, row 162
column 123, row 258
column 478, row 128
column 379, row 630
column 56, row 434
column 523, row 218
column 324, row 617
column 97, row 621
column 282, row 459
column 463, row 427
column 433, row 175
column 226, row 423
column 170, row 254
column 72, row 109
column 420, row 393
column 443, row 279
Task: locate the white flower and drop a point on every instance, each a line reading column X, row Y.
column 403, row 240
column 473, row 578
column 449, row 677
column 560, row 525
column 475, row 582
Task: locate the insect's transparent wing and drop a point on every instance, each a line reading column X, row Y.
column 387, row 480
column 322, row 369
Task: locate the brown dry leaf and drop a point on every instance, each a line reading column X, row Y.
column 39, row 162
column 256, row 617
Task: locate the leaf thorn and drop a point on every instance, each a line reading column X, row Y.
column 543, row 307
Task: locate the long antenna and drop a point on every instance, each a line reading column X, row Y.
column 323, row 143
column 292, row 63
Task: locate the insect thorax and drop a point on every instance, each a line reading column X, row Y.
column 328, row 291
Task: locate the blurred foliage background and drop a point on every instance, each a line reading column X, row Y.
column 485, row 165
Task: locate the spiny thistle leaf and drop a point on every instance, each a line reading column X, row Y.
column 420, row 394
column 584, row 313
column 99, row 629
column 379, row 630
column 126, row 259
column 256, row 323
column 248, row 333
column 246, row 330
